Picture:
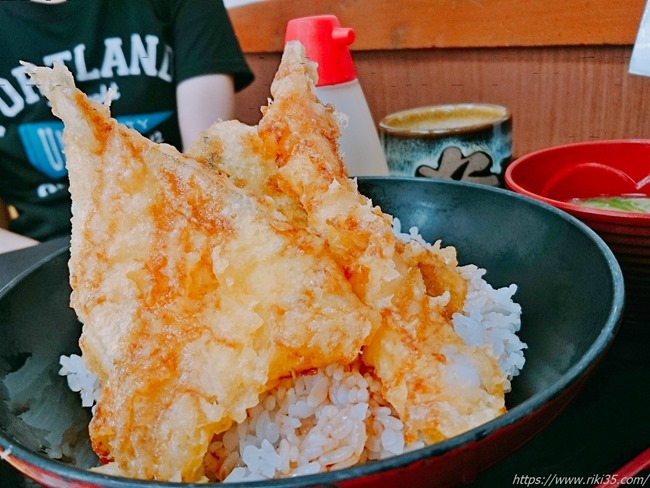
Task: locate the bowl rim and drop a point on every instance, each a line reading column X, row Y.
column 584, row 211
column 572, row 376
column 388, row 123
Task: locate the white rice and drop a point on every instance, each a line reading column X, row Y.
column 79, row 379
column 336, row 417
column 330, row 419
column 489, row 316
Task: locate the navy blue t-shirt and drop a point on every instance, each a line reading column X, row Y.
column 138, row 50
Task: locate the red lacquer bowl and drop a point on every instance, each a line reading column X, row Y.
column 556, row 175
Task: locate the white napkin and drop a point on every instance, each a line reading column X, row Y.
column 640, row 60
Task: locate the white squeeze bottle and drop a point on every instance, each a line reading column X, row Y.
column 326, row 43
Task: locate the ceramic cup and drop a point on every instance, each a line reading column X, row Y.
column 465, row 141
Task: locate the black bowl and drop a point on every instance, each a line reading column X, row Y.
column 570, row 290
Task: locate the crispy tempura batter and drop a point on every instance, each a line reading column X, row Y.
column 202, row 281
column 237, row 150
column 416, row 352
column 194, row 296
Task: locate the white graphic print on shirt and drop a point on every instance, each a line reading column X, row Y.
column 42, row 140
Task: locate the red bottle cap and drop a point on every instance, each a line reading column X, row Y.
column 326, row 43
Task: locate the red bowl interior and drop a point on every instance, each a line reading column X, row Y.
column 558, row 174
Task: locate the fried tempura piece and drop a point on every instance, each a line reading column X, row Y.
column 203, row 280
column 194, row 295
column 417, row 355
column 238, row 151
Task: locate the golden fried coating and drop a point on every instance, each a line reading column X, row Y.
column 194, row 296
column 415, row 352
column 202, row 279
column 238, row 151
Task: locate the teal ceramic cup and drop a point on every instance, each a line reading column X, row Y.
column 464, row 142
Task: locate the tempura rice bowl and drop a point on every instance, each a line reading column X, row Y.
column 570, row 291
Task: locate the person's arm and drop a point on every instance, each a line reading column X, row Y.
column 4, row 215
column 10, row 241
column 203, row 100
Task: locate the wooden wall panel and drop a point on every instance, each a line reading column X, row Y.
column 409, row 24
column 556, row 94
